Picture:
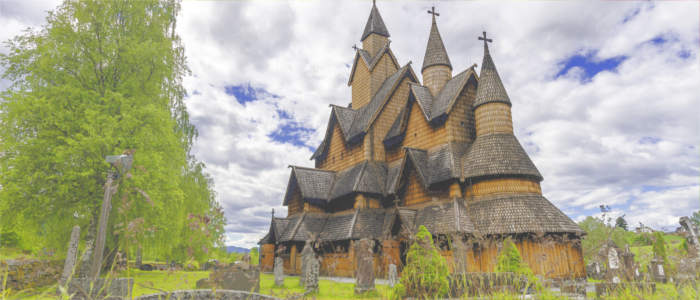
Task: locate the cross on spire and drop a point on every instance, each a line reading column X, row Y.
column 354, row 47
column 433, row 12
column 485, row 39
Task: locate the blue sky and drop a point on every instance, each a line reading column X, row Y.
column 604, row 92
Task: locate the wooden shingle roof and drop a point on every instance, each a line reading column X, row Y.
column 490, row 87
column 528, row 213
column 435, row 52
column 496, row 155
column 375, row 24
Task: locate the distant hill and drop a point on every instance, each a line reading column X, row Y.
column 231, row 249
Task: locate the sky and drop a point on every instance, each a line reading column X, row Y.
column 605, row 93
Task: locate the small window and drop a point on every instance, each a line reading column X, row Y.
column 461, row 123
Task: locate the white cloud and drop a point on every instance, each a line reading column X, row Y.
column 627, row 138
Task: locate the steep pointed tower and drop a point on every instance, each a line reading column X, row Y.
column 374, row 63
column 437, row 69
column 503, row 186
column 375, row 34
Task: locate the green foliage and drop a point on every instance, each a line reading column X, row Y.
column 100, row 78
column 509, row 260
column 254, row 256
column 620, row 222
column 425, row 274
column 597, row 234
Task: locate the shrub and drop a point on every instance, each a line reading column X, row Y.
column 425, row 274
column 509, row 260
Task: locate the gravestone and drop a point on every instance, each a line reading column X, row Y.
column 240, row 277
column 279, row 271
column 628, row 266
column 312, row 273
column 85, row 259
column 656, row 270
column 393, row 275
column 692, row 236
column 364, row 272
column 594, row 271
column 71, row 256
column 459, row 254
column 307, row 254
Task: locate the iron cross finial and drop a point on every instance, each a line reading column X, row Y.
column 374, row 2
column 433, row 12
column 485, row 39
column 354, row 47
column 273, row 212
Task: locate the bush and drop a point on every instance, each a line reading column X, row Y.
column 425, row 274
column 509, row 260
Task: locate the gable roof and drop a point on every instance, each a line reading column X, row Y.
column 314, row 184
column 363, row 117
column 375, row 24
column 371, row 62
column 435, row 52
column 434, row 108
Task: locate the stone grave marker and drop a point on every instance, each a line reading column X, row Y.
column 279, row 271
column 71, row 256
column 307, row 254
column 656, row 270
column 628, row 265
column 240, row 277
column 312, row 273
column 364, row 273
column 393, row 275
column 593, row 270
column 692, row 236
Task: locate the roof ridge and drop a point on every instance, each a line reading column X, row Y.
column 352, row 223
column 310, row 169
column 359, row 178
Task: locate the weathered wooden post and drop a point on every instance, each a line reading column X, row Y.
column 102, row 228
column 122, row 163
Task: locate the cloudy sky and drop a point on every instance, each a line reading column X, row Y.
column 605, row 94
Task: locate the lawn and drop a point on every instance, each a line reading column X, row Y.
column 151, row 282
column 327, row 289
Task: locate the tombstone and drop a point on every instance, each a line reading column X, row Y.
column 84, row 267
column 364, row 272
column 637, row 274
column 312, row 273
column 307, row 254
column 692, row 236
column 393, row 275
column 656, row 270
column 628, row 265
column 146, row 267
column 240, row 277
column 279, row 271
column 459, row 254
column 71, row 256
column 594, row 271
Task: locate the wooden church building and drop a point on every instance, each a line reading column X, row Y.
column 440, row 153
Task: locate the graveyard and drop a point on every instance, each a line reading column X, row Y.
column 146, row 146
column 648, row 266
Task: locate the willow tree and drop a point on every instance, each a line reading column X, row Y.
column 100, row 78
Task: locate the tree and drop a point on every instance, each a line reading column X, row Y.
column 621, row 223
column 425, row 273
column 99, row 78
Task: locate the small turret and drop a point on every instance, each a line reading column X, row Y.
column 437, row 69
column 375, row 35
column 492, row 105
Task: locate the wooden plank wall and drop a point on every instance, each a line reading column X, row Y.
column 267, row 257
column 341, row 156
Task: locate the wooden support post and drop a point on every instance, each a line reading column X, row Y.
column 102, row 229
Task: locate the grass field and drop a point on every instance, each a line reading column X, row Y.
column 327, row 289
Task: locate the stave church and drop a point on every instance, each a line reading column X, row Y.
column 405, row 153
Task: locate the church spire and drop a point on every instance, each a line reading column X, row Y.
column 490, row 87
column 375, row 24
column 435, row 53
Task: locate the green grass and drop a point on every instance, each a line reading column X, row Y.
column 327, row 289
column 13, row 253
column 151, row 282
